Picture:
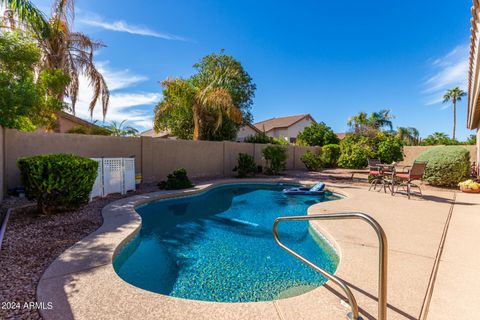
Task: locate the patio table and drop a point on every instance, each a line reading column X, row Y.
column 388, row 172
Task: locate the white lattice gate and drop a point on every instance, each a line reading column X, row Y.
column 115, row 175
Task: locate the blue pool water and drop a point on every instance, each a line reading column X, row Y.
column 218, row 246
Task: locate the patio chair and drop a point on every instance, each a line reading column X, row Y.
column 407, row 177
column 375, row 172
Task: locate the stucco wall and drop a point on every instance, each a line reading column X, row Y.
column 2, row 164
column 478, row 150
column 155, row 157
column 412, row 152
column 162, row 156
column 21, row 144
column 245, row 132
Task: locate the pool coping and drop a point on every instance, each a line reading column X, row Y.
column 121, row 223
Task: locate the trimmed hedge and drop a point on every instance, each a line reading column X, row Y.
column 447, row 166
column 58, row 181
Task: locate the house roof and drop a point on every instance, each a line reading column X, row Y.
column 341, row 135
column 75, row 119
column 281, row 122
column 251, row 126
column 153, row 134
column 473, row 114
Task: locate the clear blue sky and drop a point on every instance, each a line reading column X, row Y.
column 331, row 59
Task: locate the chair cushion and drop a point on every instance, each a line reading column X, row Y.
column 374, row 172
column 402, row 175
column 318, row 187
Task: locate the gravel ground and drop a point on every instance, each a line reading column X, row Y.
column 31, row 244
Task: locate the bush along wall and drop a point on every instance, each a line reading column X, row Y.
column 311, row 161
column 176, row 180
column 58, row 181
column 447, row 166
column 275, row 158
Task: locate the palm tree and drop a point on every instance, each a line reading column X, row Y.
column 207, row 101
column 118, row 129
column 71, row 52
column 381, row 119
column 409, row 135
column 362, row 123
column 454, row 95
column 358, row 122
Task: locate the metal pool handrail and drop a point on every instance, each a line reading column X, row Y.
column 383, row 258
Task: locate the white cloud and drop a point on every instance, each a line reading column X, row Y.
column 122, row 26
column 448, row 71
column 124, row 105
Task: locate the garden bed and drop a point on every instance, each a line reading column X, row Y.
column 32, row 242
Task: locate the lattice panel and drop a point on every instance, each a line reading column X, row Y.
column 128, row 174
column 112, row 175
column 97, row 189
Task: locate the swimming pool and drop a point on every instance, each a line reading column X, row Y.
column 218, row 246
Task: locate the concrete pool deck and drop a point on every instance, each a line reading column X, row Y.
column 424, row 261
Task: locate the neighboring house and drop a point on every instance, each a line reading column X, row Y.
column 286, row 127
column 473, row 113
column 341, row 135
column 66, row 121
column 165, row 134
column 243, row 132
column 246, row 131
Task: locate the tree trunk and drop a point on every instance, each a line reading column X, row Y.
column 454, row 118
column 196, row 123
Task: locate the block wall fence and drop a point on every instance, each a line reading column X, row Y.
column 154, row 157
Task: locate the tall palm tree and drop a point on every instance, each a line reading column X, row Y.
column 454, row 95
column 71, row 52
column 381, row 119
column 118, row 129
column 208, row 101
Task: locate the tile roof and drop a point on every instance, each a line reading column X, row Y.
column 281, row 122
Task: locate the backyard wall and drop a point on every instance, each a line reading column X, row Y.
column 412, row 152
column 154, row 157
column 2, row 163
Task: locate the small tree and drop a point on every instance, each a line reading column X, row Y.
column 27, row 101
column 276, row 159
column 330, row 155
column 311, row 161
column 317, row 134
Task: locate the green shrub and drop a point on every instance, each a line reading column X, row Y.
column 312, row 161
column 246, row 165
column 260, row 138
column 99, row 131
column 330, row 155
column 276, row 159
column 78, row 130
column 447, row 166
column 317, row 134
column 280, row 141
column 176, row 180
column 390, row 150
column 355, row 152
column 94, row 130
column 57, row 181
